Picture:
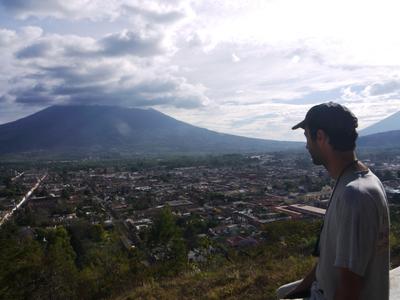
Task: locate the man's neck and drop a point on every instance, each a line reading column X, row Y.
column 338, row 162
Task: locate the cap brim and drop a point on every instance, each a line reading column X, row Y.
column 300, row 125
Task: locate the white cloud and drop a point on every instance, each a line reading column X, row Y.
column 235, row 58
column 7, row 37
column 295, row 59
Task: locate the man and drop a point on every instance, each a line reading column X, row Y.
column 353, row 246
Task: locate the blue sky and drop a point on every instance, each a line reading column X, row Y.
column 249, row 68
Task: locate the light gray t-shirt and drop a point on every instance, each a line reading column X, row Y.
column 356, row 236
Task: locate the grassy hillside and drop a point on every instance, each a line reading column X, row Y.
column 252, row 273
column 254, row 278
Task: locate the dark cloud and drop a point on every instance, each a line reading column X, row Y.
column 5, row 98
column 38, row 49
column 37, row 95
column 74, row 50
column 22, row 5
column 116, row 69
column 157, row 86
column 385, row 88
column 86, row 84
column 162, row 17
column 32, row 7
column 151, row 12
column 77, row 75
column 72, row 91
column 146, row 44
column 132, row 43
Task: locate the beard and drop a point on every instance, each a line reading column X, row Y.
column 316, row 159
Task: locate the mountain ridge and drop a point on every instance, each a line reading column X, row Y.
column 390, row 123
column 388, row 139
column 96, row 128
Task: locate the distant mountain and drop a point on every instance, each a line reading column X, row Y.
column 95, row 129
column 388, row 124
column 389, row 139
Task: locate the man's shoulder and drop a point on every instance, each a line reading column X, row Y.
column 361, row 183
column 363, row 192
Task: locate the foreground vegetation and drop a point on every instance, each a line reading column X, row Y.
column 252, row 273
column 255, row 273
column 88, row 262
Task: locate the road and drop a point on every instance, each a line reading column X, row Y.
column 18, row 176
column 23, row 200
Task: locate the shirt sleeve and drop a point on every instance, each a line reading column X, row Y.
column 357, row 231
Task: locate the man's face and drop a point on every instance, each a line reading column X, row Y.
column 313, row 148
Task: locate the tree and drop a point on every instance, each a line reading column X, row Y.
column 59, row 271
column 193, row 227
column 21, row 265
column 107, row 270
column 164, row 228
column 166, row 239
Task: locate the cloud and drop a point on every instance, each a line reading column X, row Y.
column 153, row 11
column 7, row 37
column 89, row 85
column 97, row 93
column 235, row 58
column 117, row 44
column 35, row 50
column 36, row 96
column 124, row 68
column 132, row 43
column 155, row 15
column 315, row 97
column 388, row 87
column 26, row 8
column 74, row 9
column 112, row 82
column 12, row 39
column 250, row 120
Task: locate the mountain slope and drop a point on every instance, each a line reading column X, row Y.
column 388, row 124
column 106, row 128
column 390, row 139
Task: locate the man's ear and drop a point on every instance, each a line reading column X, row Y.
column 322, row 137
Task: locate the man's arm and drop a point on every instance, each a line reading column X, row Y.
column 305, row 285
column 349, row 286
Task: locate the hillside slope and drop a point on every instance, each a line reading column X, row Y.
column 388, row 124
column 106, row 128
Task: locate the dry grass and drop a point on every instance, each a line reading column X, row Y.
column 249, row 279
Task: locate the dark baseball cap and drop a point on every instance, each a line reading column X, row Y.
column 329, row 116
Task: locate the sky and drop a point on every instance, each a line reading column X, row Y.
column 249, row 68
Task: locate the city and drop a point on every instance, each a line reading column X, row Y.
column 220, row 203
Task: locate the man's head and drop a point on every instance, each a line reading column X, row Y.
column 330, row 121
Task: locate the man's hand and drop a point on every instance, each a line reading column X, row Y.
column 349, row 285
column 303, row 286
